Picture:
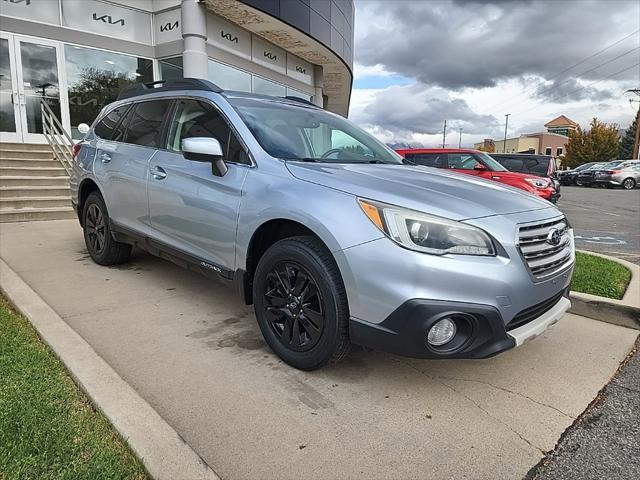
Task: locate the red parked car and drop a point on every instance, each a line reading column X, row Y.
column 475, row 162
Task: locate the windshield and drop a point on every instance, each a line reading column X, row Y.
column 490, row 162
column 597, row 165
column 296, row 132
column 584, row 166
column 613, row 164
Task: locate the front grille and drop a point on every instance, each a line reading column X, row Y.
column 531, row 313
column 542, row 257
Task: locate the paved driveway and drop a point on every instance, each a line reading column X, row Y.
column 605, row 221
column 189, row 347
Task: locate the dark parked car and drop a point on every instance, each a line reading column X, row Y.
column 569, row 177
column 531, row 164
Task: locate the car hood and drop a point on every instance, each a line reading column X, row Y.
column 438, row 192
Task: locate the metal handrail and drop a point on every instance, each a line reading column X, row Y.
column 57, row 137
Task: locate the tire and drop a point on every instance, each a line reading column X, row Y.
column 628, row 184
column 102, row 248
column 312, row 330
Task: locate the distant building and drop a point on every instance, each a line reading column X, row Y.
column 561, row 125
column 552, row 142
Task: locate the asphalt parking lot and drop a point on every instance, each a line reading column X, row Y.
column 194, row 352
column 604, row 221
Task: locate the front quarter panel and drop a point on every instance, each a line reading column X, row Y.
column 271, row 193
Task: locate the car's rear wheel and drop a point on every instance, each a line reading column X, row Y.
column 102, row 248
column 301, row 304
column 628, row 184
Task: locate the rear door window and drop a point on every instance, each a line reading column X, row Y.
column 437, row 160
column 105, row 127
column 144, row 123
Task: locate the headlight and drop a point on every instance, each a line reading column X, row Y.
column 538, row 182
column 427, row 233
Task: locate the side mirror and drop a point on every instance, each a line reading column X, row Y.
column 479, row 166
column 83, row 128
column 205, row 149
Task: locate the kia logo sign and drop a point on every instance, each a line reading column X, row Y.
column 229, row 37
column 270, row 56
column 301, row 70
column 169, row 26
column 108, row 19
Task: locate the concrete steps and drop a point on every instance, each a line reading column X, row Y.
column 44, row 213
column 33, row 185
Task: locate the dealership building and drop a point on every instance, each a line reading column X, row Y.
column 78, row 54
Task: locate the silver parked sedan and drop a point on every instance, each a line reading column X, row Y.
column 624, row 174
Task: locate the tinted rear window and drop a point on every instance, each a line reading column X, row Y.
column 437, row 160
column 144, row 123
column 104, row 128
column 534, row 165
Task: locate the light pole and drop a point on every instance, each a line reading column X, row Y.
column 506, row 124
column 444, row 133
column 636, row 143
column 460, row 138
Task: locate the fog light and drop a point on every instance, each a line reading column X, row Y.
column 441, row 332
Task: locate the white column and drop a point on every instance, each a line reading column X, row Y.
column 318, row 84
column 194, row 33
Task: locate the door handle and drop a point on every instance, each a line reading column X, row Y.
column 105, row 157
column 158, row 173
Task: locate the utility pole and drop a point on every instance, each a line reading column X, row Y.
column 460, row 138
column 636, row 143
column 506, row 124
column 444, row 133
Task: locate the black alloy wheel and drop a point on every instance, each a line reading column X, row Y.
column 301, row 303
column 96, row 228
column 294, row 306
column 102, row 247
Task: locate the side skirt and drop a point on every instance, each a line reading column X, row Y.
column 164, row 251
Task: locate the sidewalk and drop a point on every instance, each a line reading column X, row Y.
column 191, row 349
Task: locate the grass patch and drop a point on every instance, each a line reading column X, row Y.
column 48, row 427
column 599, row 276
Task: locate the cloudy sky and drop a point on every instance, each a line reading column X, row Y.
column 419, row 62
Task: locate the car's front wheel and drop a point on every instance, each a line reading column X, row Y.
column 629, row 184
column 301, row 304
column 102, row 248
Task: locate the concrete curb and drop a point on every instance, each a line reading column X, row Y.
column 625, row 312
column 163, row 452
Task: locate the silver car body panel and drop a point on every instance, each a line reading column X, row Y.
column 215, row 218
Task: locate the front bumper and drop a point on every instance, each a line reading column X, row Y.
column 481, row 332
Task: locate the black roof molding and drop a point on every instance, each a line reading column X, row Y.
column 184, row 84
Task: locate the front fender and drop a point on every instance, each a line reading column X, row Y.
column 334, row 216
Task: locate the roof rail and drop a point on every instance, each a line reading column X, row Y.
column 301, row 100
column 183, row 84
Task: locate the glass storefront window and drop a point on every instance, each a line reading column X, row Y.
column 267, row 87
column 229, row 78
column 171, row 68
column 95, row 77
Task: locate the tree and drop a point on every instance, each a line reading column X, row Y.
column 625, row 147
column 598, row 144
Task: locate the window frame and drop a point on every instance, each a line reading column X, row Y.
column 169, row 118
column 229, row 123
column 101, row 118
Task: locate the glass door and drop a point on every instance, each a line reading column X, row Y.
column 36, row 65
column 10, row 130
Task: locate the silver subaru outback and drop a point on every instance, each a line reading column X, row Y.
column 334, row 238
